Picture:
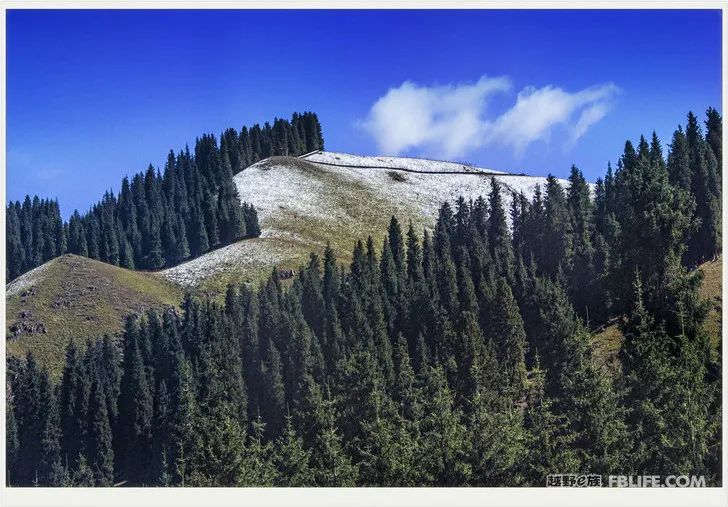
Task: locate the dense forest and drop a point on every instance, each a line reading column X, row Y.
column 455, row 356
column 159, row 220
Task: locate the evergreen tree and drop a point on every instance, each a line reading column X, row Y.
column 135, row 411
column 654, row 220
column 550, row 441
column 100, row 451
column 259, row 468
column 508, row 335
column 499, row 238
column 704, row 244
column 332, row 467
column 714, row 135
column 83, row 477
column 671, row 418
column 497, row 441
column 292, row 459
column 159, row 220
column 582, row 273
column 186, row 437
column 410, row 367
column 442, row 454
column 12, row 443
column 72, row 405
column 557, row 237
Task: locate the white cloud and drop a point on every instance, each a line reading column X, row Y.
column 445, row 120
column 589, row 117
column 449, row 121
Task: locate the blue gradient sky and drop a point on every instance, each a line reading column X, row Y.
column 95, row 95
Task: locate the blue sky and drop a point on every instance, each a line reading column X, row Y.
column 95, row 95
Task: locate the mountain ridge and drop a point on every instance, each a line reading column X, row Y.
column 304, row 202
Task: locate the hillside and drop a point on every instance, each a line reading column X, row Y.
column 608, row 340
column 712, row 291
column 76, row 297
column 304, row 202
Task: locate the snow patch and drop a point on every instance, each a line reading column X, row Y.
column 251, row 254
column 403, row 163
column 26, row 280
column 325, row 188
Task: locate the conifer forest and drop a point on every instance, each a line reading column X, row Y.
column 455, row 355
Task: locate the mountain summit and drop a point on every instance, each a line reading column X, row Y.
column 304, row 202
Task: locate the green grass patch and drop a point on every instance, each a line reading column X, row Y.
column 80, row 299
column 712, row 290
column 607, row 342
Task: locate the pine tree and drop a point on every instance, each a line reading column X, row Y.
column 704, row 244
column 678, row 163
column 550, row 442
column 497, row 442
column 669, row 395
column 222, row 459
column 83, row 477
column 37, row 422
column 186, row 440
column 71, row 407
column 100, row 451
column 414, row 256
column 252, row 227
column 407, row 393
column 292, row 460
column 259, row 466
column 557, row 237
column 714, row 134
column 409, row 368
column 384, row 449
column 499, row 239
column 159, row 220
column 273, row 399
column 331, row 465
column 135, row 410
column 586, row 395
column 582, row 269
column 654, row 219
column 50, row 471
column 507, row 333
column 161, row 431
column 12, row 443
column 442, row 455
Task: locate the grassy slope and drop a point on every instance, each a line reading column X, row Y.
column 356, row 210
column 92, row 297
column 608, row 340
column 303, row 204
column 79, row 298
column 712, row 290
column 364, row 213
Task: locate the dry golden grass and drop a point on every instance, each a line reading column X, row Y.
column 712, row 290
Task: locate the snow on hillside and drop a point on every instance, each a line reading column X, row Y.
column 26, row 280
column 304, row 202
column 275, row 186
column 251, row 255
column 404, row 163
